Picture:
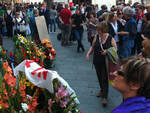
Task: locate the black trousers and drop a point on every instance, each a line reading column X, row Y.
column 137, row 44
column 103, row 79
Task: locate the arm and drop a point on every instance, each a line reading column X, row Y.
column 61, row 20
column 123, row 33
column 94, row 25
column 144, row 37
column 132, row 30
column 90, row 50
column 113, row 43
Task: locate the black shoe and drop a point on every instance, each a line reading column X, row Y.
column 78, row 49
column 82, row 48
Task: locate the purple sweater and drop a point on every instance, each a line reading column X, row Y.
column 134, row 105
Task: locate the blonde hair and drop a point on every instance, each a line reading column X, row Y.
column 105, row 16
column 103, row 26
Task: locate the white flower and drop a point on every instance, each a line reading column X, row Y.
column 22, row 41
column 24, row 106
column 20, row 111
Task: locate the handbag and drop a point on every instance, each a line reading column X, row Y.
column 22, row 28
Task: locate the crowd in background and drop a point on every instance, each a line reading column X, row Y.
column 73, row 17
column 124, row 29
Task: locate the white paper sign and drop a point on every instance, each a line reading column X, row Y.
column 42, row 27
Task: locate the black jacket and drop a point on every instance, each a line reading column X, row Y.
column 46, row 14
column 111, row 29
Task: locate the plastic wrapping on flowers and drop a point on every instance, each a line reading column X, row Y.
column 42, row 53
column 28, row 98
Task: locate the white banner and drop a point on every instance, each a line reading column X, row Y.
column 41, row 77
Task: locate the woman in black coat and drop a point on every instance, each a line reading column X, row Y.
column 114, row 26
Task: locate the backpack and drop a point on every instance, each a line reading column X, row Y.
column 8, row 18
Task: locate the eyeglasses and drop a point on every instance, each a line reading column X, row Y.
column 121, row 73
column 120, row 13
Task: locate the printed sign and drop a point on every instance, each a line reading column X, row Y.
column 41, row 27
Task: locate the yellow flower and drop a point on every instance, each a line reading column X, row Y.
column 25, row 40
column 29, row 52
column 44, row 56
column 27, row 83
column 32, row 86
column 0, row 106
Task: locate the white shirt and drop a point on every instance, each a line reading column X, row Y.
column 115, row 27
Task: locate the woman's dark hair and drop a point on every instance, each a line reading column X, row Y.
column 137, row 70
column 54, row 7
column 93, row 13
column 79, row 10
column 119, row 13
column 146, row 46
column 147, row 16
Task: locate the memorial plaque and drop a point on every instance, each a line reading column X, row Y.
column 42, row 28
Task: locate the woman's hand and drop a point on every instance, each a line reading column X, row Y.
column 140, row 55
column 73, row 25
column 104, row 52
column 81, row 24
column 87, row 57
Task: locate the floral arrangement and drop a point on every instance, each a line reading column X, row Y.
column 2, row 53
column 49, row 52
column 21, row 96
column 13, row 98
column 58, row 102
column 42, row 53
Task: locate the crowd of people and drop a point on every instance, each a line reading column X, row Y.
column 114, row 35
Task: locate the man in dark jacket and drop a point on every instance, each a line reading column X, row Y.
column 103, row 9
column 44, row 11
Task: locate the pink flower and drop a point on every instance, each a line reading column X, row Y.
column 63, row 104
column 61, row 92
column 50, row 102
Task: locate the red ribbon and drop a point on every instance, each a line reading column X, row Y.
column 28, row 63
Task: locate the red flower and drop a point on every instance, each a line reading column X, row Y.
column 48, row 57
column 5, row 105
column 10, row 54
column 11, row 81
column 37, row 59
column 42, row 64
column 23, row 52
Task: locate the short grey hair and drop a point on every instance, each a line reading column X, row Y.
column 128, row 11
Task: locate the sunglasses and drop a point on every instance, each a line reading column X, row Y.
column 121, row 73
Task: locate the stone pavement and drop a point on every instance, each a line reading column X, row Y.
column 74, row 68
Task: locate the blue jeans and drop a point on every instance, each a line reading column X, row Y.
column 78, row 34
column 125, row 49
column 52, row 23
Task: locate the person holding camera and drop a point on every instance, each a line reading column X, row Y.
column 101, row 43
